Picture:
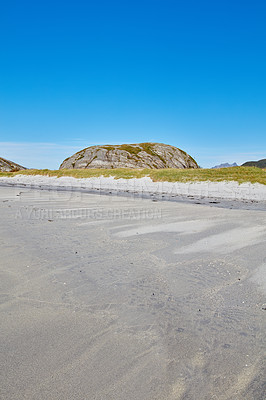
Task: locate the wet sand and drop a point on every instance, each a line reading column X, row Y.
column 114, row 298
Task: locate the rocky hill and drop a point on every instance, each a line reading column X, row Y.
column 141, row 155
column 225, row 165
column 9, row 166
column 258, row 164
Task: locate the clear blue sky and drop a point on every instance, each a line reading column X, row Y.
column 189, row 73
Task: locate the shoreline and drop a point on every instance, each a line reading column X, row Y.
column 225, row 194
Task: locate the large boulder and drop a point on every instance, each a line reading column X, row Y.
column 141, row 155
column 9, row 166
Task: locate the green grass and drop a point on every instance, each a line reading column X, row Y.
column 130, row 149
column 6, row 174
column 238, row 174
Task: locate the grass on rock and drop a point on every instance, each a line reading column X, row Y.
column 237, row 174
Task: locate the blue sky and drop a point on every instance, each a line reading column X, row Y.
column 187, row 73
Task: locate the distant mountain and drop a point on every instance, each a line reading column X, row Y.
column 225, row 165
column 137, row 155
column 258, row 164
column 9, row 166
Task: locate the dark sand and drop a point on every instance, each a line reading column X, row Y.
column 113, row 298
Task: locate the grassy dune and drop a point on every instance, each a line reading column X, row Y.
column 238, row 174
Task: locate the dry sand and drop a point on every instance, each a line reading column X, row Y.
column 202, row 192
column 113, row 298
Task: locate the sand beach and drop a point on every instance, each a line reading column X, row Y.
column 115, row 297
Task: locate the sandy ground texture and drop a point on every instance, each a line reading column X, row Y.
column 113, row 298
column 225, row 194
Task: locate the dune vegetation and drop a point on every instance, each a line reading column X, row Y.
column 238, row 174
